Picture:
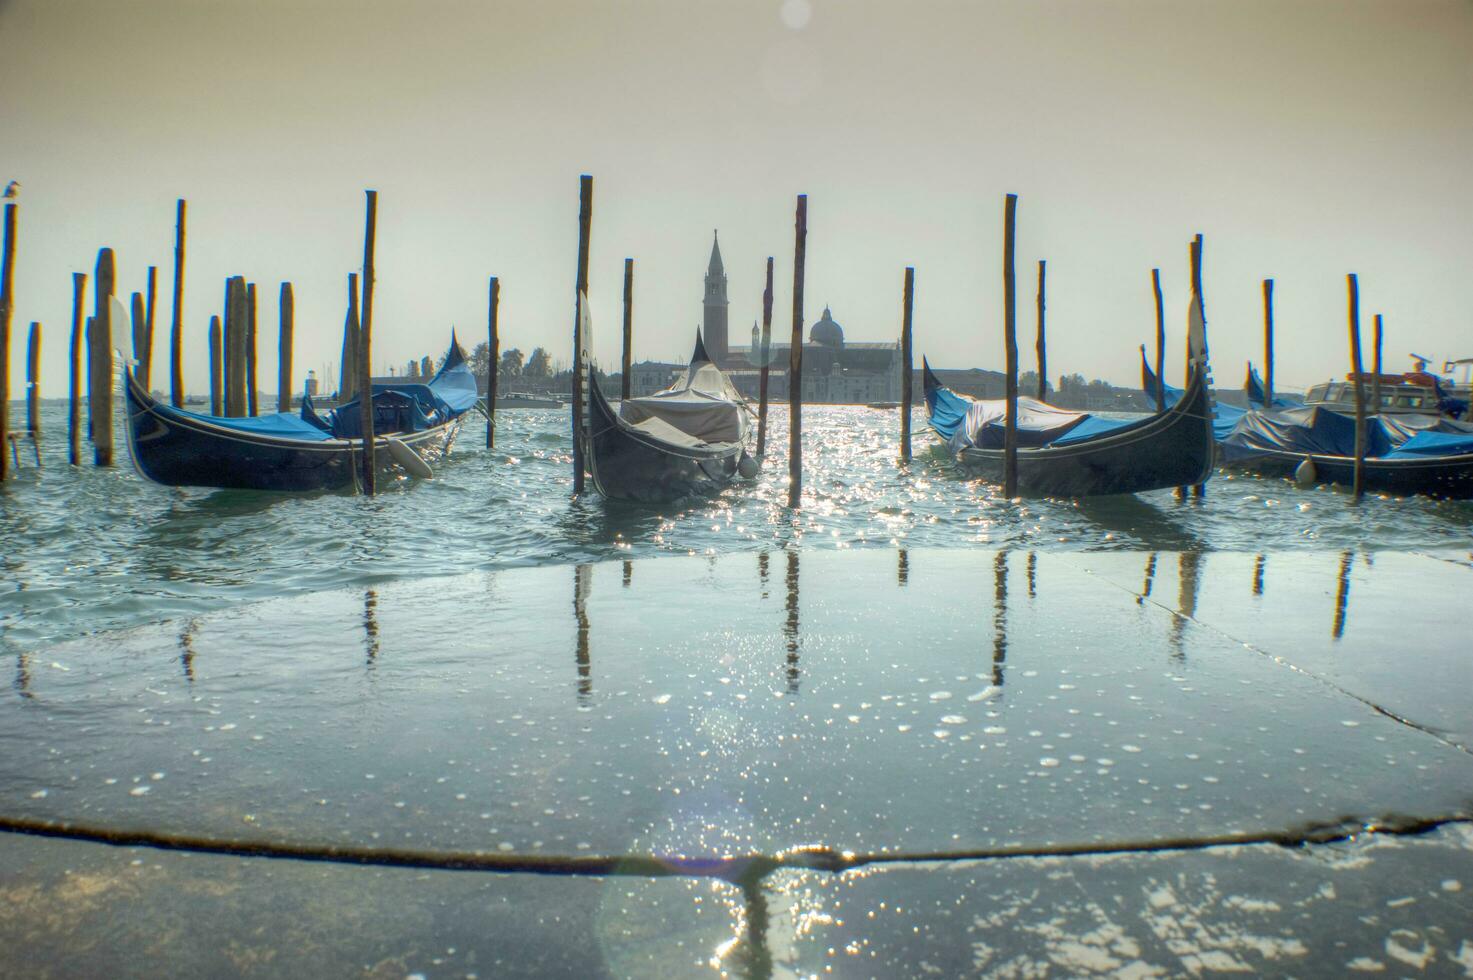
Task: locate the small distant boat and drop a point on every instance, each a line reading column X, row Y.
column 1070, row 454
column 689, row 439
column 300, row 451
column 1414, row 393
column 882, row 405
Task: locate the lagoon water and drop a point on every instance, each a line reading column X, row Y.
column 909, row 669
column 87, row 549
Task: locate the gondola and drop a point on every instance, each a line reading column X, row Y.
column 687, row 440
column 1405, row 454
column 414, row 426
column 1067, row 454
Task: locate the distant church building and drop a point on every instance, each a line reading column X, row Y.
column 834, row 370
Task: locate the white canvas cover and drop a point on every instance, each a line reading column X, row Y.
column 703, row 404
column 1033, row 415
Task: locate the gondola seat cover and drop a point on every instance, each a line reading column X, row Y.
column 702, row 405
column 278, row 425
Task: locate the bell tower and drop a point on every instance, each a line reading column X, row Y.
column 714, row 325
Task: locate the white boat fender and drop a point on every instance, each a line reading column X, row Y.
column 1305, row 475
column 406, row 457
column 747, row 466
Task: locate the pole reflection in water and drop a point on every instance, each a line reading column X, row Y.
column 1150, row 579
column 902, row 568
column 790, row 628
column 999, row 616
column 750, row 955
column 582, row 585
column 628, row 573
column 1258, row 564
column 1189, row 565
column 1342, row 595
column 370, row 625
column 762, row 571
column 1032, row 574
column 186, row 649
column 23, row 675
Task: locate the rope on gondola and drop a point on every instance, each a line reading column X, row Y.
column 735, row 868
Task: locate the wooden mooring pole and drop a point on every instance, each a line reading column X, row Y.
column 33, row 388
column 1160, row 342
column 145, row 370
column 907, row 362
column 1010, row 341
column 1376, row 361
column 348, row 367
column 217, row 368
column 365, row 342
column 176, row 330
column 766, row 363
column 7, row 281
column 1268, row 345
column 493, row 362
column 235, row 347
column 1199, row 490
column 101, row 393
column 585, row 224
column 74, row 366
column 252, row 409
column 287, row 309
column 1042, row 343
column 795, row 360
column 138, row 318
column 1357, row 485
column 628, row 326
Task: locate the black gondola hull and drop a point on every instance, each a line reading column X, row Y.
column 190, row 452
column 1450, row 477
column 1172, row 449
column 627, row 464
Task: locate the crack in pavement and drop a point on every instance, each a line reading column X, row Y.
column 1283, row 662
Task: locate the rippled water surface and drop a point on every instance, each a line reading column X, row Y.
column 86, row 549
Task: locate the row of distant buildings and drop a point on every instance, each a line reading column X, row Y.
column 837, row 370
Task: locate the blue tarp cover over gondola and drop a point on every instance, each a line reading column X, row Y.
column 1303, row 431
column 278, row 425
column 410, row 405
column 1321, row 432
column 963, row 422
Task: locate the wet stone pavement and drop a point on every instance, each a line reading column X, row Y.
column 1148, row 764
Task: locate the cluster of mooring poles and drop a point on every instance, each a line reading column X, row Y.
column 232, row 349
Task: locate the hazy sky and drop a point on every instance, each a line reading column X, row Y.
column 1305, row 140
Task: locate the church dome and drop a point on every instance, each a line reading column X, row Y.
column 826, row 331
